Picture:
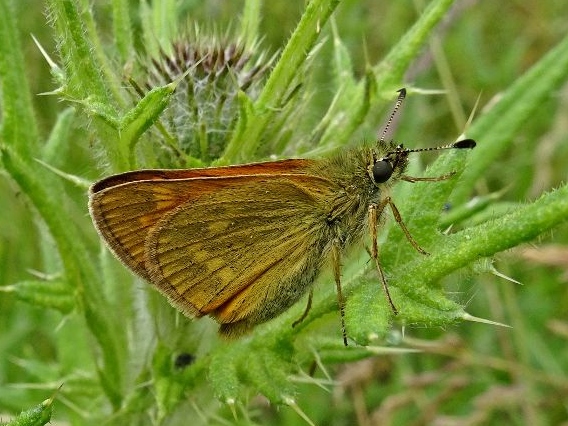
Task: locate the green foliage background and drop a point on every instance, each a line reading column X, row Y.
column 70, row 314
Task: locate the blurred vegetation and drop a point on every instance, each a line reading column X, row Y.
column 70, row 314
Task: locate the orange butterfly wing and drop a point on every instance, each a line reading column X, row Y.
column 125, row 207
column 240, row 243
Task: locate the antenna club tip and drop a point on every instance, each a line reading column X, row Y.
column 466, row 143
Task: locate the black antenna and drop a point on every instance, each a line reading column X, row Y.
column 464, row 143
column 401, row 96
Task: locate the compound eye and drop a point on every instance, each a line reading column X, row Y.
column 382, row 171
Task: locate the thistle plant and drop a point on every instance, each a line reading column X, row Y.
column 155, row 95
column 212, row 70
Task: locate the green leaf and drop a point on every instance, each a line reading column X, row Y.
column 54, row 294
column 495, row 129
column 35, row 416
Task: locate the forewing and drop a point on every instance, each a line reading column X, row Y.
column 125, row 207
column 229, row 252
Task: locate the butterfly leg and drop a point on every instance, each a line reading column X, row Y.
column 308, row 307
column 336, row 260
column 398, row 219
column 374, row 213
